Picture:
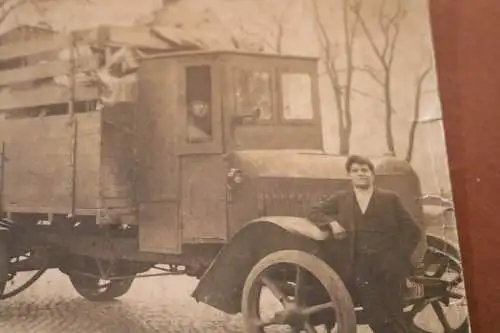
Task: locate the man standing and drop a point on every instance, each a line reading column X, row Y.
column 381, row 236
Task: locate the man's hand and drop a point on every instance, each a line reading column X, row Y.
column 337, row 230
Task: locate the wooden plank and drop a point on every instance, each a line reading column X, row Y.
column 136, row 37
column 117, row 159
column 13, row 209
column 87, row 160
column 179, row 37
column 48, row 69
column 45, row 95
column 51, row 43
column 38, row 171
column 40, row 45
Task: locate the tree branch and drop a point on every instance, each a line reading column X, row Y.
column 357, row 11
column 279, row 39
column 371, row 72
column 365, row 94
column 8, row 6
column 416, row 112
column 262, row 40
column 385, row 55
column 395, row 22
column 341, row 95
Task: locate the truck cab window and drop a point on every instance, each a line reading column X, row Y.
column 297, row 96
column 253, row 95
column 198, row 104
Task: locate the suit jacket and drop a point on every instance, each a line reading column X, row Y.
column 389, row 223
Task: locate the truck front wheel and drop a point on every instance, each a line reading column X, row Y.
column 308, row 292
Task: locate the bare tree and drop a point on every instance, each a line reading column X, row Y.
column 8, row 6
column 279, row 20
column 416, row 112
column 275, row 36
column 390, row 27
column 342, row 87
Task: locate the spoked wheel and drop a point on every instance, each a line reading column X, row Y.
column 445, row 309
column 20, row 281
column 99, row 290
column 309, row 294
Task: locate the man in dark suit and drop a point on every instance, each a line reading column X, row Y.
column 378, row 237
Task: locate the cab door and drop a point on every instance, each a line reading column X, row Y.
column 200, row 149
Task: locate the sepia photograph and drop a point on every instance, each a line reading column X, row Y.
column 240, row 166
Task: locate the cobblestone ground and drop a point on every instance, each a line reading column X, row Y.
column 153, row 305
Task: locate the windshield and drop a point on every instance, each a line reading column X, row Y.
column 296, row 96
column 271, row 102
column 253, row 94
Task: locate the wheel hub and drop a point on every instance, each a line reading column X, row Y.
column 291, row 315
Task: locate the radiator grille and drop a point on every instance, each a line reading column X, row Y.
column 294, row 197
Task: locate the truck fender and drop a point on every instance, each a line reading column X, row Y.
column 222, row 283
column 440, row 244
column 5, row 235
column 296, row 226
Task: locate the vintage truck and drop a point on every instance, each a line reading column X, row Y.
column 126, row 151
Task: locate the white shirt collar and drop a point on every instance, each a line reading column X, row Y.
column 367, row 192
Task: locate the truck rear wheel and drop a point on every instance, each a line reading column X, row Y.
column 444, row 311
column 310, row 293
column 98, row 290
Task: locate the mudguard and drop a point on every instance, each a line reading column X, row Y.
column 222, row 283
column 4, row 254
column 443, row 245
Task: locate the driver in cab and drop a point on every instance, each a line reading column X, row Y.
column 198, row 122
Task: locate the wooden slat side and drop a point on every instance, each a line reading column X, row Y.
column 38, row 169
column 52, row 43
column 45, row 95
column 136, row 37
column 117, row 160
column 88, row 160
column 40, row 45
column 13, row 208
column 46, row 70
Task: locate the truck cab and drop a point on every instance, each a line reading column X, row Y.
column 238, row 101
column 216, row 104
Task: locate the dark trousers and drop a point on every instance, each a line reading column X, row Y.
column 381, row 296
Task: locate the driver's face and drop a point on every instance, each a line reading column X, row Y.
column 199, row 108
column 361, row 176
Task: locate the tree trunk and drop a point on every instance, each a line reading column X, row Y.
column 411, row 142
column 388, row 113
column 344, row 146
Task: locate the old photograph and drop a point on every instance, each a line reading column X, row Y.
column 238, row 166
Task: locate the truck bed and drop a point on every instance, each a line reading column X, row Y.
column 65, row 146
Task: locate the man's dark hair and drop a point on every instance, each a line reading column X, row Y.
column 357, row 159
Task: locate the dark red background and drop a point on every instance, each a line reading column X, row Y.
column 467, row 48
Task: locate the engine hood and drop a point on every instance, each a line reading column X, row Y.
column 308, row 164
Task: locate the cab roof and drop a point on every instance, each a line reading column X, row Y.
column 173, row 54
